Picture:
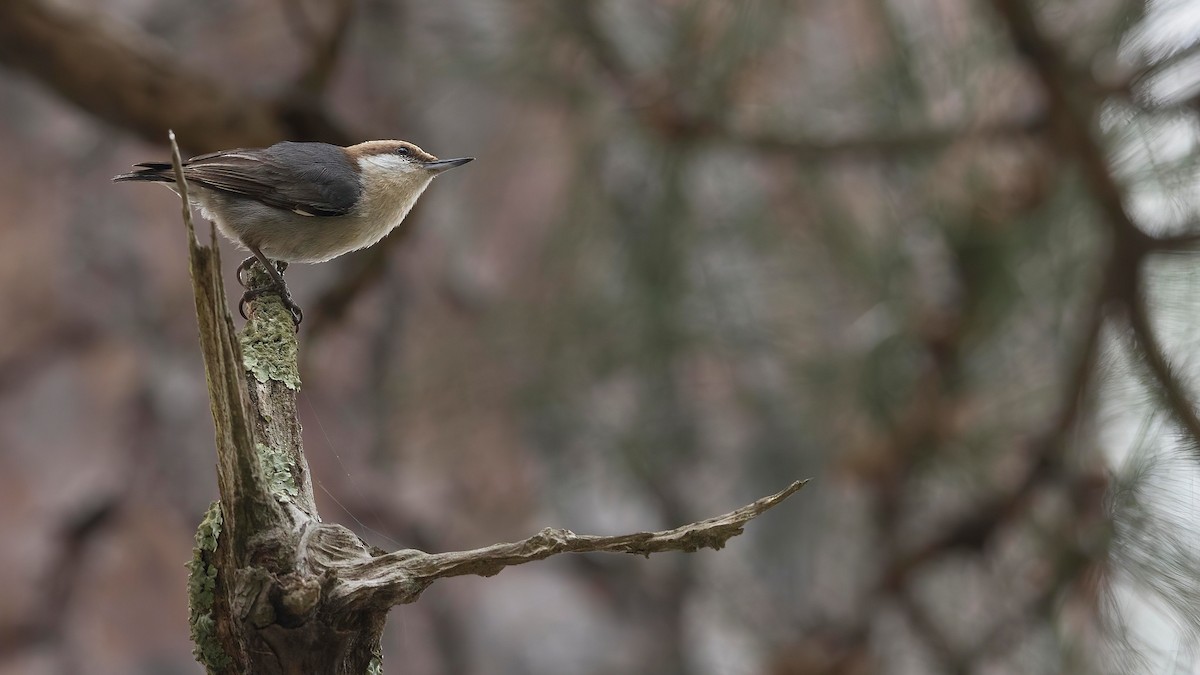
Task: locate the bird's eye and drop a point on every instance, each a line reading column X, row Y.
column 403, row 152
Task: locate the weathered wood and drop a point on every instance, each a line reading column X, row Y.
column 255, row 604
column 273, row 590
column 246, row 502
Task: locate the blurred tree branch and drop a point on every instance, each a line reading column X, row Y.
column 1120, row 284
column 122, row 77
column 354, row 280
column 1071, row 115
column 1074, row 119
column 35, row 353
column 1174, row 390
column 901, row 145
column 325, row 45
column 651, row 101
column 63, row 574
column 125, row 79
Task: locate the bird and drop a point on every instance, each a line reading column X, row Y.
column 302, row 202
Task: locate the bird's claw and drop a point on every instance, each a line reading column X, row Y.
column 284, row 297
column 295, row 311
column 243, row 270
column 274, row 286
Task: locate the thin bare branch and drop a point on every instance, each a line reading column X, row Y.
column 400, row 577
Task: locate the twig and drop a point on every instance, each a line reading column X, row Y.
column 182, row 189
column 400, row 577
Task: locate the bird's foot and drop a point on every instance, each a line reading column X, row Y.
column 243, row 270
column 284, row 296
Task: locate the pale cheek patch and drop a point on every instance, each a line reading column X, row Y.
column 390, row 162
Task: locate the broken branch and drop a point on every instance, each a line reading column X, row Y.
column 400, row 577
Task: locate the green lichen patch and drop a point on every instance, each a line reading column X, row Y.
column 375, row 667
column 277, row 468
column 202, row 583
column 269, row 344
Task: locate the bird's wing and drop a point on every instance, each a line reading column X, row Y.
column 312, row 179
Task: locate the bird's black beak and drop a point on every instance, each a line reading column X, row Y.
column 440, row 165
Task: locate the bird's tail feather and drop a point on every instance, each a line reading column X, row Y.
column 159, row 172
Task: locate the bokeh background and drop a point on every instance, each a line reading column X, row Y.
column 934, row 254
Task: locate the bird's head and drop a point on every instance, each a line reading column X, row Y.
column 401, row 157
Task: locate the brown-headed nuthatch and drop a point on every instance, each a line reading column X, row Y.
column 303, row 202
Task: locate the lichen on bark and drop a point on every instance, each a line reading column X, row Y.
column 277, row 468
column 202, row 582
column 269, row 345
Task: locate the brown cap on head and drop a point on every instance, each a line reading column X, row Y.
column 401, row 148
